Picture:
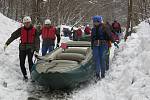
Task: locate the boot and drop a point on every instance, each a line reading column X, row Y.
column 25, row 78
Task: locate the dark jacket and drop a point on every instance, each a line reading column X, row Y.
column 35, row 46
column 101, row 32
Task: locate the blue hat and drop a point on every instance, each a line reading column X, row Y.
column 97, row 19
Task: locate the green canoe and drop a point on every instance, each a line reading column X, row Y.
column 85, row 38
column 65, row 68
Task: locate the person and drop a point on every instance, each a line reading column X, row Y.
column 115, row 38
column 117, row 28
column 74, row 35
column 67, row 32
column 79, row 33
column 100, row 38
column 49, row 34
column 29, row 44
column 87, row 30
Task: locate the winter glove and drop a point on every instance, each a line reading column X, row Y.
column 116, row 45
column 5, row 46
column 36, row 54
column 57, row 45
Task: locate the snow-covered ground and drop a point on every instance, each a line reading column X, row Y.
column 127, row 79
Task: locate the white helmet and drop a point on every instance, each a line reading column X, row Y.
column 47, row 21
column 26, row 19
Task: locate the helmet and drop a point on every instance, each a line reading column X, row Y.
column 26, row 19
column 47, row 21
column 88, row 25
column 98, row 19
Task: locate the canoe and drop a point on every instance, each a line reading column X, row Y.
column 65, row 68
column 85, row 38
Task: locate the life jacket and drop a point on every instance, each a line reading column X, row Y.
column 79, row 33
column 49, row 33
column 27, row 36
column 116, row 25
column 115, row 37
column 87, row 30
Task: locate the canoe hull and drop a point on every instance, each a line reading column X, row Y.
column 67, row 80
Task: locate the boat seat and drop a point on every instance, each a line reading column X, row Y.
column 70, row 56
column 64, row 61
column 56, row 65
column 76, row 50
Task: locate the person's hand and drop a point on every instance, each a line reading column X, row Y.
column 116, row 45
column 36, row 54
column 5, row 46
column 57, row 45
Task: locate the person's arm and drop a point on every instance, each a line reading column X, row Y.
column 119, row 28
column 37, row 41
column 14, row 36
column 92, row 39
column 58, row 37
column 108, row 31
column 40, row 32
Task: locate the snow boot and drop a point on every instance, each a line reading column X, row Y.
column 25, row 78
column 102, row 76
column 98, row 77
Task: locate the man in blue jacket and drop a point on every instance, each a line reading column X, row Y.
column 100, row 39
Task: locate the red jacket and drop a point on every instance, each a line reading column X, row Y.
column 49, row 33
column 116, row 25
column 87, row 30
column 79, row 33
column 27, row 36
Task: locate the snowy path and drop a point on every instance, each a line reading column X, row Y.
column 128, row 78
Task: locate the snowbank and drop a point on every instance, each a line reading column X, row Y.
column 11, row 84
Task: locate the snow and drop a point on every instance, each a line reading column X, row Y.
column 127, row 79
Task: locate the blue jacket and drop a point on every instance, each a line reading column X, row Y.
column 98, row 33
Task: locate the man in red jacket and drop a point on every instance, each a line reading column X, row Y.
column 29, row 44
column 49, row 34
column 79, row 33
column 87, row 30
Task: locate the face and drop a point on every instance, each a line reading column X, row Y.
column 96, row 23
column 27, row 24
column 47, row 25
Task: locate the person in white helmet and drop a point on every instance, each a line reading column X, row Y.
column 49, row 34
column 29, row 44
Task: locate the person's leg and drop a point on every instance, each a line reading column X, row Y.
column 22, row 57
column 30, row 61
column 96, row 59
column 44, row 49
column 51, row 48
column 103, row 59
column 107, row 60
